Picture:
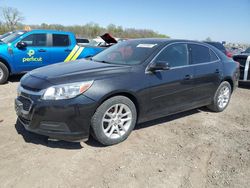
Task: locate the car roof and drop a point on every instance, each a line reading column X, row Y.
column 48, row 31
column 168, row 40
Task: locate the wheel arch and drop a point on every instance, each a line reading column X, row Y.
column 230, row 81
column 127, row 94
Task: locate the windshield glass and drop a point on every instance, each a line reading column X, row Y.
column 5, row 35
column 130, row 52
column 10, row 38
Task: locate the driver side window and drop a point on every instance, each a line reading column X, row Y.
column 35, row 40
column 175, row 55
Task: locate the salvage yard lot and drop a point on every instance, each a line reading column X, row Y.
column 197, row 148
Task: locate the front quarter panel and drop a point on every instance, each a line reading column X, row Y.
column 6, row 56
column 133, row 83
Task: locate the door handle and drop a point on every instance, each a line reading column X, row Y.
column 188, row 77
column 41, row 50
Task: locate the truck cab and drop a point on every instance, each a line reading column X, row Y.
column 23, row 51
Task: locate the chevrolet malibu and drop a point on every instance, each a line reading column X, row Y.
column 131, row 82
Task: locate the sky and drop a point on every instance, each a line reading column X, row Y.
column 221, row 20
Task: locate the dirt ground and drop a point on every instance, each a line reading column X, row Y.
column 197, row 148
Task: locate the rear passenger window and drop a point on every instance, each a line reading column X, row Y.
column 60, row 40
column 175, row 55
column 213, row 57
column 199, row 54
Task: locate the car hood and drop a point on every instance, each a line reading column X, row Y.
column 76, row 71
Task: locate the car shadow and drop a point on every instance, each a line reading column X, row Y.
column 15, row 78
column 169, row 118
column 33, row 138
column 92, row 142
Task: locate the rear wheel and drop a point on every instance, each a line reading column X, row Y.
column 221, row 98
column 114, row 120
column 4, row 73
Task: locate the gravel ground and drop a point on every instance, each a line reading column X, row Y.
column 197, row 148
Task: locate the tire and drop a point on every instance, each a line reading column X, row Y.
column 114, row 120
column 4, row 73
column 216, row 105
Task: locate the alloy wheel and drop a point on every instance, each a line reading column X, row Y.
column 116, row 121
column 223, row 97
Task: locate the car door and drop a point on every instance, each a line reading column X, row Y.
column 171, row 90
column 60, row 47
column 207, row 72
column 34, row 55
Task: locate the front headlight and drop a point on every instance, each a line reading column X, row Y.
column 66, row 91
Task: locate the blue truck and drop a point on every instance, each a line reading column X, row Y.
column 22, row 51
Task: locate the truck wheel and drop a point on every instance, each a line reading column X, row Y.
column 114, row 120
column 221, row 98
column 4, row 73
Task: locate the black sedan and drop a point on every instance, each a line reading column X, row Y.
column 131, row 82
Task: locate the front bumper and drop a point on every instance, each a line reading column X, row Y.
column 67, row 120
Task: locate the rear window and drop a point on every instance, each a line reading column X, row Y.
column 60, row 40
column 217, row 45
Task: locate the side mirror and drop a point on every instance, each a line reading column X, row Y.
column 159, row 65
column 21, row 45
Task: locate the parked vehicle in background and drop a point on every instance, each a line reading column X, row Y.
column 131, row 82
column 82, row 41
column 106, row 40
column 5, row 35
column 234, row 50
column 247, row 51
column 221, row 47
column 23, row 51
column 244, row 60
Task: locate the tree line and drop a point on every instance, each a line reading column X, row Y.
column 11, row 19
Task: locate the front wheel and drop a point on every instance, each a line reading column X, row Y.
column 4, row 73
column 114, row 120
column 221, row 98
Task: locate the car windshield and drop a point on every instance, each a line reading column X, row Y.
column 129, row 52
column 5, row 35
column 247, row 50
column 10, row 38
